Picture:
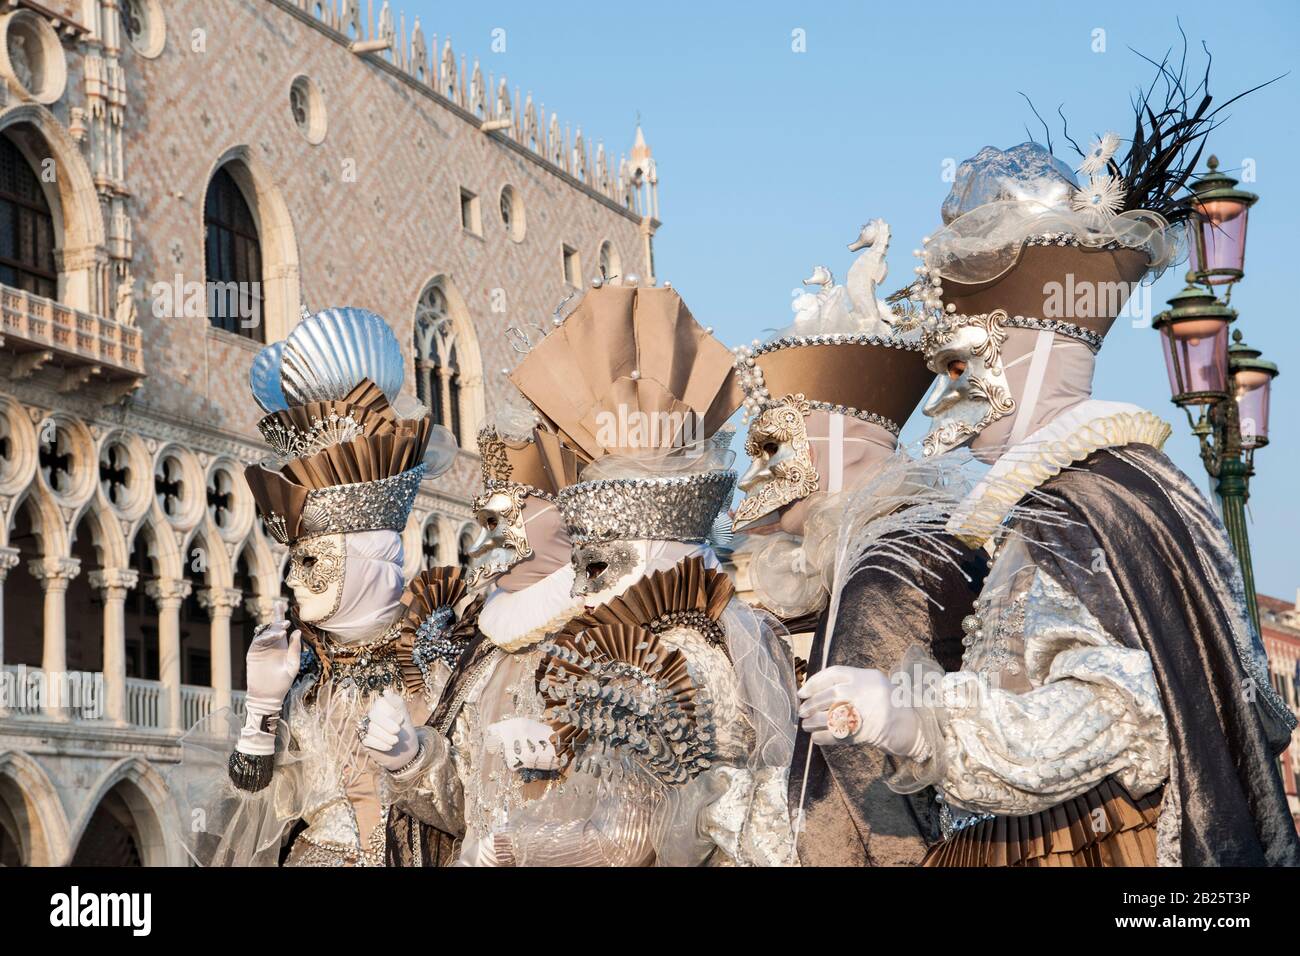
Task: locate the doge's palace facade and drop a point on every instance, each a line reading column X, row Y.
column 178, row 180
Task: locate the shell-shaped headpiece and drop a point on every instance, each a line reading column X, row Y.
column 324, row 358
column 347, row 460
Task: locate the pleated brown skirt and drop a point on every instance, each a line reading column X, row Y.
column 1103, row 827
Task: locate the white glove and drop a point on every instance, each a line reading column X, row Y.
column 390, row 735
column 271, row 667
column 525, row 744
column 879, row 721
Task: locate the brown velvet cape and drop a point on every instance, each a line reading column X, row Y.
column 1165, row 595
column 851, row 817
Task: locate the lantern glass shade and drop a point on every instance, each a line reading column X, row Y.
column 1217, row 240
column 1252, row 408
column 1196, row 356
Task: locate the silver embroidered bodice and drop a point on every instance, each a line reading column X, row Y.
column 1047, row 703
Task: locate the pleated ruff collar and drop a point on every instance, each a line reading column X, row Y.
column 1072, row 436
column 515, row 620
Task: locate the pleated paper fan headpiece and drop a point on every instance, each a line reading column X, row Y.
column 631, row 373
column 344, row 459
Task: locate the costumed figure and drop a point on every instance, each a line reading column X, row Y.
column 487, row 753
column 824, row 414
column 674, row 698
column 1113, row 706
column 349, row 454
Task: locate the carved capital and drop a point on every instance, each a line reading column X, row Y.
column 266, row 609
column 8, row 561
column 220, row 602
column 168, row 592
column 114, row 582
column 55, row 574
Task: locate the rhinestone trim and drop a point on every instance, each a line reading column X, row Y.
column 632, row 509
column 831, row 338
column 381, row 505
column 870, row 417
column 1086, row 336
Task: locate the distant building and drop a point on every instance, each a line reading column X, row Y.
column 177, row 180
column 1280, row 623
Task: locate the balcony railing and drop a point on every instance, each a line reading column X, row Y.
column 42, row 331
column 23, row 693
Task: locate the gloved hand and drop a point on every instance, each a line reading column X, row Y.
column 390, row 735
column 271, row 666
column 874, row 719
column 525, row 744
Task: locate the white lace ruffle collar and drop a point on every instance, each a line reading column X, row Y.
column 512, row 620
column 1072, row 436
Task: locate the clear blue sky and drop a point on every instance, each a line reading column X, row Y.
column 770, row 159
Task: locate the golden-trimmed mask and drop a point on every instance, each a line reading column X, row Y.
column 316, row 571
column 503, row 539
column 972, row 391
column 782, row 467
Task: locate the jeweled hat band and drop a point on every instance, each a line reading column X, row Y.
column 657, row 509
column 1078, row 332
column 382, row 505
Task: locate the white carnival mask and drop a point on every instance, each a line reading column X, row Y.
column 317, row 568
column 972, row 390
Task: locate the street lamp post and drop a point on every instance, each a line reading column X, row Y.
column 1224, row 389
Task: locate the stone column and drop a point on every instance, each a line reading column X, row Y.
column 113, row 583
column 168, row 593
column 8, row 561
column 220, row 603
column 55, row 574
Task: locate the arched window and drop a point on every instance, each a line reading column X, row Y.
column 233, row 253
column 437, row 369
column 610, row 264
column 26, row 227
column 429, row 546
column 463, row 544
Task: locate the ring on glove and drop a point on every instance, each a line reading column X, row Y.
column 363, row 727
column 843, row 720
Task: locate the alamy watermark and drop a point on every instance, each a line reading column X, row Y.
column 628, row 428
column 33, row 691
column 197, row 300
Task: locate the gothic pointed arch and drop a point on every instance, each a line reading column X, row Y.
column 122, row 823
column 32, row 811
column 448, row 366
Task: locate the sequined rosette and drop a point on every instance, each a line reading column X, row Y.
column 619, row 685
column 431, row 629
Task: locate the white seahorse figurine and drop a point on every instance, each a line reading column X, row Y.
column 867, row 273
column 808, row 306
column 829, row 309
